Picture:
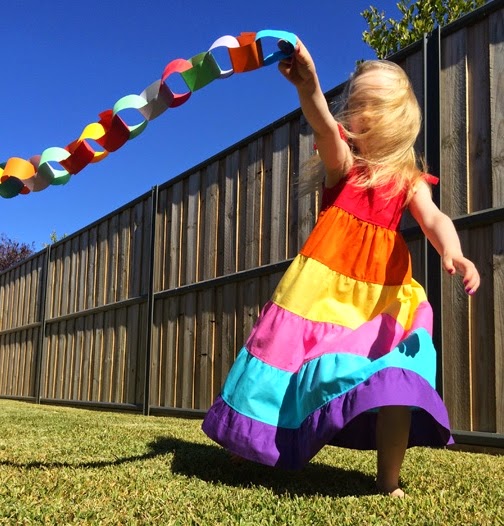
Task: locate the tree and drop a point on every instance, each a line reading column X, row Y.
column 12, row 252
column 387, row 35
column 54, row 238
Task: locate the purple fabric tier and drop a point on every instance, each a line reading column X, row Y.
column 347, row 421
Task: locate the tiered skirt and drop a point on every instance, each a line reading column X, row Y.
column 347, row 331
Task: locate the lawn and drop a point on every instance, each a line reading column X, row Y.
column 62, row 466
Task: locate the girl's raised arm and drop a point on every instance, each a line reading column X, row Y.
column 440, row 231
column 333, row 150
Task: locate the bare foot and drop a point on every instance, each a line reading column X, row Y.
column 394, row 492
column 398, row 492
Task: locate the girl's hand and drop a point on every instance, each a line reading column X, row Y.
column 299, row 68
column 466, row 268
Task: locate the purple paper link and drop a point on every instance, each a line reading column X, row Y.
column 347, row 421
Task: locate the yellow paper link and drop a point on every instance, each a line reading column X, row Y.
column 18, row 176
column 94, row 131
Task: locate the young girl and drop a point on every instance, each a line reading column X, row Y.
column 342, row 354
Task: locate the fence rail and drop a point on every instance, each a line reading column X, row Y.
column 146, row 308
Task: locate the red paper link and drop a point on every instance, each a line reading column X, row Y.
column 179, row 65
column 81, row 154
column 116, row 131
column 248, row 56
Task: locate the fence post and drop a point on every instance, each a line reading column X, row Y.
column 432, row 146
column 150, row 301
column 39, row 357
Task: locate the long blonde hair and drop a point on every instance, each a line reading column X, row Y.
column 391, row 120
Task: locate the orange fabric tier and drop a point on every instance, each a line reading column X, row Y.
column 358, row 249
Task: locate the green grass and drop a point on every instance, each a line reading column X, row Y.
column 62, row 465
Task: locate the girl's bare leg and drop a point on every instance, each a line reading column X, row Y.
column 392, row 432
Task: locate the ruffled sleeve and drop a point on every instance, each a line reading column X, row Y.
column 431, row 179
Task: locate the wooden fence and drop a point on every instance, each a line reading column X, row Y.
column 146, row 308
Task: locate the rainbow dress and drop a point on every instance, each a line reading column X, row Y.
column 347, row 330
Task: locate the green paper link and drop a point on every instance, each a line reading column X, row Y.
column 11, row 187
column 205, row 70
column 45, row 170
column 132, row 102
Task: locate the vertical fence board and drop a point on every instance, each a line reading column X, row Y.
column 171, row 351
column 496, row 37
column 253, row 211
column 91, row 269
column 87, row 360
column 74, row 274
column 157, row 356
column 480, row 168
column 205, row 348
column 186, row 349
column 108, row 356
column 498, row 283
column 175, row 236
column 97, row 365
column 454, row 124
column 83, row 266
column 457, row 383
column 112, row 256
column 102, row 277
column 136, row 237
column 279, row 194
column 69, row 370
column 145, row 256
column 229, row 216
column 307, row 208
column 482, row 327
column 267, row 203
column 227, row 319
column 132, row 370
column 79, row 371
column 124, row 251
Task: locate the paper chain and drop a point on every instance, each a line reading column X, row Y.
column 20, row 176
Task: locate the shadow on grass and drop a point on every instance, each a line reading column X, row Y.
column 213, row 464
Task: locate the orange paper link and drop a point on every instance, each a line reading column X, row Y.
column 248, row 56
column 81, row 154
column 18, row 168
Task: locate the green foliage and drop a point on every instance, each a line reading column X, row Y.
column 54, row 238
column 63, row 466
column 387, row 35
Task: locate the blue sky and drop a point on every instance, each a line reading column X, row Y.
column 65, row 61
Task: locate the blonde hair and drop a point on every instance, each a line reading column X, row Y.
column 390, row 120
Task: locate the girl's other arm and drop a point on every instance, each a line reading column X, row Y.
column 333, row 150
column 440, row 231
